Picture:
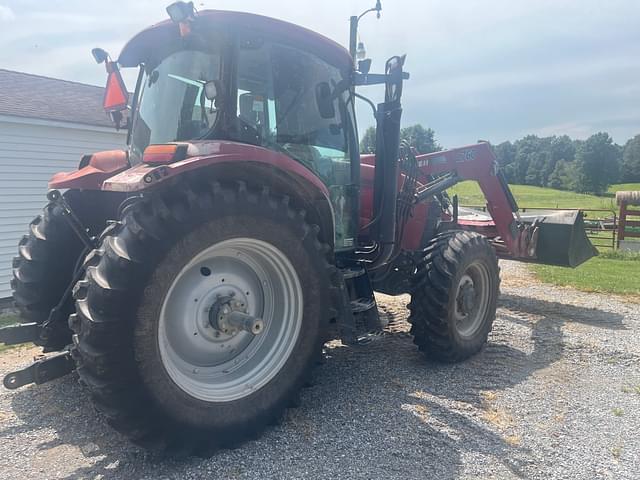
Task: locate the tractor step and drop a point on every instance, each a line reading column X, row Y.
column 23, row 333
column 352, row 272
column 362, row 304
column 41, row 371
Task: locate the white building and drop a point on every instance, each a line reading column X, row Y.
column 46, row 125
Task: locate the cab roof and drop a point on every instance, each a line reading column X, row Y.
column 141, row 46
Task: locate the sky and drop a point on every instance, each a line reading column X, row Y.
column 493, row 69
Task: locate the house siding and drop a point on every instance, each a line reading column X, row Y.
column 31, row 151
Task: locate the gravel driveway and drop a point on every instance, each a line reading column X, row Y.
column 555, row 394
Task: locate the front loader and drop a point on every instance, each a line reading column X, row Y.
column 193, row 278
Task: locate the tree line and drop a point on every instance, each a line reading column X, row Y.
column 585, row 166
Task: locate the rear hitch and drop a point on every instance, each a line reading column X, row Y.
column 72, row 219
column 41, row 371
column 50, row 335
column 16, row 334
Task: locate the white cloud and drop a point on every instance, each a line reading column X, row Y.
column 6, row 14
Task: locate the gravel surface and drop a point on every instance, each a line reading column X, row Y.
column 555, row 394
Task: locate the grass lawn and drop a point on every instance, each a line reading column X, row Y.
column 605, row 275
column 623, row 186
column 611, row 272
column 527, row 196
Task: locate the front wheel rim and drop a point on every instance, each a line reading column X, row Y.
column 214, row 366
column 472, row 299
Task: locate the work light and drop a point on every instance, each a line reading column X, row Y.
column 180, row 11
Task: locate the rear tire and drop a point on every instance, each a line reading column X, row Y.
column 454, row 295
column 44, row 268
column 133, row 331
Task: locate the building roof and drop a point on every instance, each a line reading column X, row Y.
column 33, row 96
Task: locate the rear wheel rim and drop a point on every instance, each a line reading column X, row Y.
column 205, row 362
column 472, row 299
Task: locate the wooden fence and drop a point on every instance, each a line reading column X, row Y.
column 628, row 228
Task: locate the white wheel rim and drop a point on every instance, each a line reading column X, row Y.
column 472, row 299
column 213, row 366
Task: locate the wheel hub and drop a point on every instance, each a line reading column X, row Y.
column 229, row 315
column 200, row 341
column 467, row 296
column 230, row 319
column 472, row 298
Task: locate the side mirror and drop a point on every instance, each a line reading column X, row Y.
column 99, row 55
column 116, row 96
column 117, row 118
column 324, row 100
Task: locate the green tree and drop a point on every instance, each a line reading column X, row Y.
column 526, row 148
column 630, row 171
column 368, row 142
column 561, row 149
column 420, row 138
column 596, row 163
column 617, row 168
column 505, row 154
column 538, row 162
column 562, row 177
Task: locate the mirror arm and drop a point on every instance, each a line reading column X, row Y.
column 361, row 79
column 371, row 104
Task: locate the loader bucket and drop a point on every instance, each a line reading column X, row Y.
column 562, row 239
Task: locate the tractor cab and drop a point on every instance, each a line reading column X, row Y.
column 252, row 80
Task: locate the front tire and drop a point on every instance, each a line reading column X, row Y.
column 156, row 361
column 454, row 294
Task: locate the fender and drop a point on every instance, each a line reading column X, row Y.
column 93, row 170
column 206, row 153
column 233, row 161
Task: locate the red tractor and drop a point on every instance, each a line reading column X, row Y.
column 193, row 278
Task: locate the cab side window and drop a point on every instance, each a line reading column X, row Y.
column 286, row 101
column 255, row 109
column 310, row 121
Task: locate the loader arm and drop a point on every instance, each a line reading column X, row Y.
column 557, row 239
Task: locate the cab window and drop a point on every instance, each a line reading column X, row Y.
column 285, row 103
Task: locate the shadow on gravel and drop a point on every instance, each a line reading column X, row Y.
column 507, row 360
column 375, row 411
column 64, row 406
column 500, row 365
column 564, row 312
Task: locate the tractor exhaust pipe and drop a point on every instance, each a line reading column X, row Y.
column 385, row 197
column 386, row 179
